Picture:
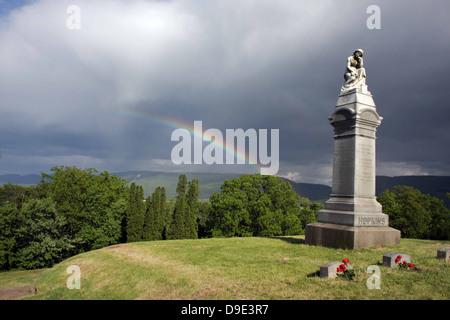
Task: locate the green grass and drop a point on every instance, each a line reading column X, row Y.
column 237, row 268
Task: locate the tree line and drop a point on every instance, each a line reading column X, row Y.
column 415, row 214
column 73, row 211
column 155, row 218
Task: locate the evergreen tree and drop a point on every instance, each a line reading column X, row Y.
column 131, row 221
column 170, row 209
column 141, row 209
column 164, row 212
column 157, row 216
column 135, row 213
column 193, row 209
column 148, row 220
column 202, row 219
column 177, row 228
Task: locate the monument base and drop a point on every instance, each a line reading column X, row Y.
column 350, row 237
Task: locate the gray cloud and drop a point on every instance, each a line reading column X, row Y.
column 110, row 94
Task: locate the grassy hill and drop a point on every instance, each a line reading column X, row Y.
column 277, row 268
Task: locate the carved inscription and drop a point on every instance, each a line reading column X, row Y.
column 365, row 167
column 365, row 221
column 365, row 161
column 344, row 166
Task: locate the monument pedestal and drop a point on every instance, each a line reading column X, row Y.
column 352, row 217
column 347, row 237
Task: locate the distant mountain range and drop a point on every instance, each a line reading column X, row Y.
column 436, row 186
column 24, row 180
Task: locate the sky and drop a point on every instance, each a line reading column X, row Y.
column 104, row 83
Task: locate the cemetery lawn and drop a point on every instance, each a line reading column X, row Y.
column 277, row 268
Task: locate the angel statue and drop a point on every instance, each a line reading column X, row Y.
column 355, row 75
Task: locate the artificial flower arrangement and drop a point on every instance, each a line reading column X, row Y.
column 403, row 264
column 345, row 270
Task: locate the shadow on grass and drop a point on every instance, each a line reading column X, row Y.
column 290, row 239
column 314, row 274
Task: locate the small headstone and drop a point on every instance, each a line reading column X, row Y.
column 389, row 259
column 16, row 293
column 329, row 270
column 443, row 253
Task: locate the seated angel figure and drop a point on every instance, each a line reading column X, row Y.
column 355, row 74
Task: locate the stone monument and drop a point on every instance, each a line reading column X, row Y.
column 352, row 218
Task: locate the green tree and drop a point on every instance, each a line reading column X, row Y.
column 141, row 208
column 170, row 209
column 42, row 238
column 93, row 204
column 9, row 223
column 309, row 211
column 256, row 205
column 193, row 191
column 164, row 212
column 13, row 193
column 148, row 220
column 204, row 210
column 177, row 228
column 135, row 213
column 416, row 215
column 158, row 214
column 131, row 220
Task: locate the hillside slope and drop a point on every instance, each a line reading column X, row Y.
column 275, row 268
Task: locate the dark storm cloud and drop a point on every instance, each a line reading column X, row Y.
column 105, row 95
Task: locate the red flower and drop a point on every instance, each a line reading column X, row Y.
column 399, row 257
column 411, row 266
column 342, row 266
column 405, row 263
column 345, row 261
column 339, row 269
column 397, row 260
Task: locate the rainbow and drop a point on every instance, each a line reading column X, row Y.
column 173, row 123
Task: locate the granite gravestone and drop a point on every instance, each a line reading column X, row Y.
column 352, row 218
